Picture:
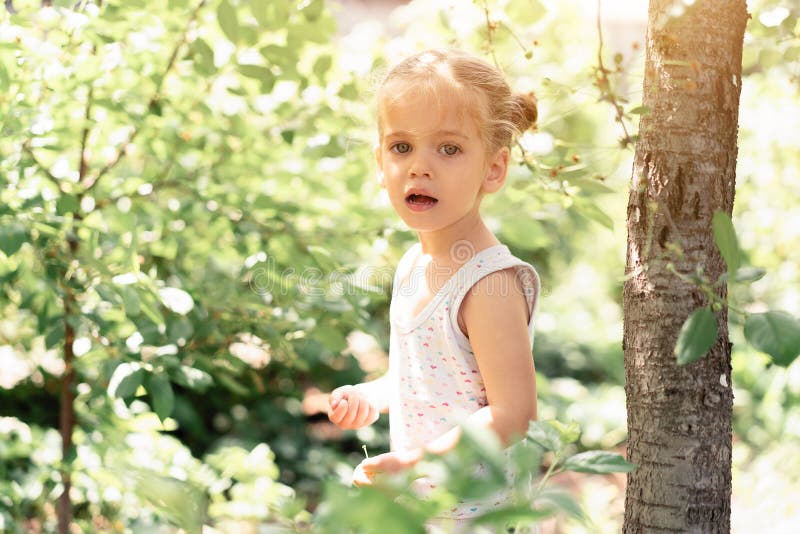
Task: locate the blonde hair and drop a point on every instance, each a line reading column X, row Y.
column 500, row 114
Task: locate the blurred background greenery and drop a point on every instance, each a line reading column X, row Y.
column 188, row 193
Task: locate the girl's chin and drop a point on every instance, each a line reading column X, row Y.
column 416, row 225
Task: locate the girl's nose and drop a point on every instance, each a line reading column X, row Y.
column 419, row 168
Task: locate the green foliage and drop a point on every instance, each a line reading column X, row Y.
column 775, row 332
column 698, row 334
column 725, row 238
column 394, row 503
column 150, row 201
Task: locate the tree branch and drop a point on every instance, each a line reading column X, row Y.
column 83, row 163
column 90, row 181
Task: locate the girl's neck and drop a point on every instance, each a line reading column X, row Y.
column 456, row 244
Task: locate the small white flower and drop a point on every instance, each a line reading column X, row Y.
column 134, row 342
column 176, row 300
column 81, row 346
column 125, row 279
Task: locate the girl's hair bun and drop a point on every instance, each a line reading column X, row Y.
column 525, row 111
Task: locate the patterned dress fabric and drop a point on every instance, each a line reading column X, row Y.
column 435, row 379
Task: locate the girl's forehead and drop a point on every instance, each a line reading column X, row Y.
column 425, row 102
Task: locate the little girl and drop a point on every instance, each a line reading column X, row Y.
column 462, row 305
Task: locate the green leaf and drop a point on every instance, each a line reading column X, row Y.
column 66, row 204
column 775, row 332
column 232, row 385
column 107, row 292
column 203, row 54
column 126, row 380
column 725, row 237
column 592, row 211
column 639, row 110
column 12, row 236
column 263, row 74
column 561, row 501
column 180, row 330
column 288, row 136
column 133, row 305
column 192, row 378
column 487, row 447
column 322, row 257
column 598, row 462
column 163, row 398
column 259, row 8
column 568, row 433
column 349, row 91
column 512, row 514
column 545, row 435
column 525, row 13
column 181, row 502
column 226, row 16
column 749, row 274
column 698, row 334
column 322, row 65
column 4, row 78
column 589, row 185
column 150, row 310
column 311, row 9
column 54, row 336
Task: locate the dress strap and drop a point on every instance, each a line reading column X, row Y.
column 484, row 263
column 404, row 266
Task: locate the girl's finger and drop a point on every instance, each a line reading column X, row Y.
column 362, row 417
column 336, row 396
column 361, row 478
column 339, row 413
column 352, row 412
column 369, row 464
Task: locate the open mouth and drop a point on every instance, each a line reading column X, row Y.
column 420, row 200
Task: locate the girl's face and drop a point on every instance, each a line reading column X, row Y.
column 433, row 162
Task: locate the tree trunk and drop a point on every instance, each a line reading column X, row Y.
column 66, row 424
column 679, row 417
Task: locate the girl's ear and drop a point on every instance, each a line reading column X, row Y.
column 496, row 170
column 379, row 164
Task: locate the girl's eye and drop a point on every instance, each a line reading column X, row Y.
column 449, row 150
column 401, row 148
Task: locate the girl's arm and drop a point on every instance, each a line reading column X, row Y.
column 496, row 317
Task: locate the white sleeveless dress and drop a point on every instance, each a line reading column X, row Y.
column 435, row 380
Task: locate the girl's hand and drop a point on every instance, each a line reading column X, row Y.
column 351, row 409
column 391, row 462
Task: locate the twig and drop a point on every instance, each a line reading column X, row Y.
column 604, row 84
column 83, row 163
column 490, row 27
column 514, row 36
